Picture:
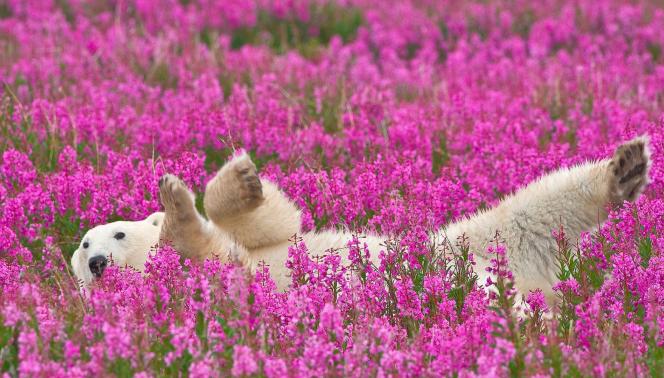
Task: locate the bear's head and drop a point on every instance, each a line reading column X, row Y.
column 121, row 243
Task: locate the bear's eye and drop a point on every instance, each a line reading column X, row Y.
column 119, row 235
column 86, row 245
column 155, row 223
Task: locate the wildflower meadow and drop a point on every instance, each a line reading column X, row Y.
column 395, row 117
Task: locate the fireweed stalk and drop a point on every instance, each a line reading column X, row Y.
column 392, row 119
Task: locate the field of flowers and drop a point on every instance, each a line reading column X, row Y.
column 394, row 117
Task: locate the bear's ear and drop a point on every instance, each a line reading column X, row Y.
column 156, row 219
column 78, row 265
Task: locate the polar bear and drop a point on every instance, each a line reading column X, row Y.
column 126, row 243
column 250, row 221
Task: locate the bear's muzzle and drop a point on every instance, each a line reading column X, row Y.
column 97, row 265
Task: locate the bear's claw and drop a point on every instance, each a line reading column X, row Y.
column 174, row 194
column 629, row 170
column 251, row 188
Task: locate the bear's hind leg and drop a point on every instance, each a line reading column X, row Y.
column 256, row 213
column 628, row 170
column 236, row 189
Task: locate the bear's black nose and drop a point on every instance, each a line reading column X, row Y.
column 97, row 265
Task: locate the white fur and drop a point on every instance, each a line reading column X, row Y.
column 252, row 222
column 575, row 198
column 140, row 238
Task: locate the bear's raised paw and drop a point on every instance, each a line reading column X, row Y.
column 250, row 186
column 628, row 170
column 175, row 196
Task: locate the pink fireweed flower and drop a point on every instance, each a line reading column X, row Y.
column 408, row 301
column 536, row 301
column 568, row 286
column 299, row 263
column 331, row 322
column 503, row 281
column 499, row 265
column 203, row 368
column 275, row 368
column 244, row 361
column 369, row 118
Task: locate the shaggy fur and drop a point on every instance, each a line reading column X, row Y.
column 252, row 220
column 575, row 198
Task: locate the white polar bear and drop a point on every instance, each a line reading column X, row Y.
column 252, row 221
column 126, row 243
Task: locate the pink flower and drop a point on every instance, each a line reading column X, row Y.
column 275, row 367
column 408, row 300
column 244, row 361
column 392, row 120
column 536, row 301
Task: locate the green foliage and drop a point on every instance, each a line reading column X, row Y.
column 655, row 357
column 23, row 135
column 198, row 202
column 121, row 367
column 332, row 112
column 464, row 278
column 439, row 155
column 655, row 51
column 645, row 251
column 68, row 227
column 568, row 267
column 8, row 348
column 475, row 26
column 523, row 23
column 282, row 35
column 587, row 105
column 66, row 10
column 201, row 327
column 159, row 74
column 5, row 11
column 332, row 105
column 215, row 159
column 261, row 160
column 557, row 109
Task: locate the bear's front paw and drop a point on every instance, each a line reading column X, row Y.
column 628, row 170
column 249, row 184
column 174, row 194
